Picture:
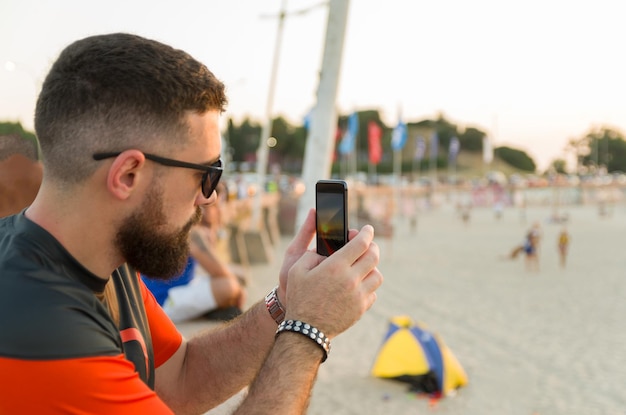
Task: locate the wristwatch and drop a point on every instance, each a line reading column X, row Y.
column 274, row 306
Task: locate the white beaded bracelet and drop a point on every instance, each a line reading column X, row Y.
column 297, row 326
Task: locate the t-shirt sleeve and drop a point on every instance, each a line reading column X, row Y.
column 166, row 338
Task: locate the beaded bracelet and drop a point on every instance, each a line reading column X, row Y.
column 307, row 330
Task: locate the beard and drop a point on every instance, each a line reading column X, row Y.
column 154, row 254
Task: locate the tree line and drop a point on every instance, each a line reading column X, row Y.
column 603, row 148
column 243, row 141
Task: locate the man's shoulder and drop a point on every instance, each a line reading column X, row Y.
column 48, row 312
column 52, row 319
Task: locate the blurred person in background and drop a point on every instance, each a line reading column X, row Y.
column 20, row 173
column 563, row 246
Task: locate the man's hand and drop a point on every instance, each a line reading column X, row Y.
column 331, row 293
column 295, row 250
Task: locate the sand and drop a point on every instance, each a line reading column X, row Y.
column 548, row 342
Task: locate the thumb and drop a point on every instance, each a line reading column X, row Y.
column 305, row 235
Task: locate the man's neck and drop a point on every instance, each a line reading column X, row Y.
column 83, row 229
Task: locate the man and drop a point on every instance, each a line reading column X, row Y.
column 128, row 129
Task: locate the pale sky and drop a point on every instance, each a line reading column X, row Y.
column 532, row 74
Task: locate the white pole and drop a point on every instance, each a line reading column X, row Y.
column 320, row 141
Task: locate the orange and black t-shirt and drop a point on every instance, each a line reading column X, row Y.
column 60, row 350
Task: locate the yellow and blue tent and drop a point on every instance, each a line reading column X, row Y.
column 410, row 353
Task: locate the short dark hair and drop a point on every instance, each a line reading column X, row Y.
column 118, row 91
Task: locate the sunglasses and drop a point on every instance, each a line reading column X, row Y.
column 210, row 178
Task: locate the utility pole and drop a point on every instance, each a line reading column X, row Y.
column 320, row 141
column 263, row 150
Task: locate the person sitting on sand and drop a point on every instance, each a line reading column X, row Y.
column 531, row 247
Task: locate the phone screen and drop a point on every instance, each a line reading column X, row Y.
column 332, row 232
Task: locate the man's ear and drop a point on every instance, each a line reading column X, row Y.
column 123, row 173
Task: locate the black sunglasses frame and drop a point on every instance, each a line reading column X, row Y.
column 210, row 178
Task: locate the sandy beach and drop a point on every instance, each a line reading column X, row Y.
column 532, row 343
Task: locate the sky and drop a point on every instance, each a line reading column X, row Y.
column 533, row 74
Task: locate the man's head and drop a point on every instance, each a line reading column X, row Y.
column 114, row 92
column 151, row 114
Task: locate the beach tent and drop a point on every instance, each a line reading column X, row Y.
column 410, row 353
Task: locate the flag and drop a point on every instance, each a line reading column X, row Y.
column 434, row 146
column 487, row 150
column 420, row 148
column 374, row 133
column 454, row 148
column 398, row 136
column 346, row 146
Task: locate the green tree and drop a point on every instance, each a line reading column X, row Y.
column 559, row 166
column 445, row 132
column 516, row 158
column 604, row 147
column 472, row 139
column 243, row 140
column 290, row 145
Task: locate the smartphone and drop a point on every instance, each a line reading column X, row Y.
column 331, row 205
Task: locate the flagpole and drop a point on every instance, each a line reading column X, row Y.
column 453, row 182
column 374, row 147
column 453, row 152
column 372, row 170
column 398, row 140
column 418, row 155
column 397, row 167
column 347, row 145
column 434, row 151
column 449, row 181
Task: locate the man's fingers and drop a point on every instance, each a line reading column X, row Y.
column 305, row 235
column 361, row 245
column 358, row 243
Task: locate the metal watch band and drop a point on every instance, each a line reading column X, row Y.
column 274, row 306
